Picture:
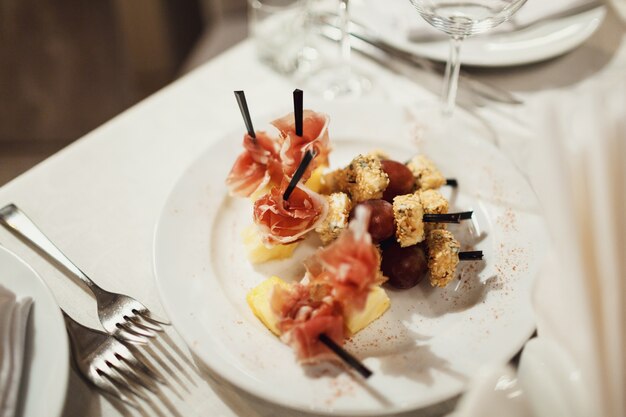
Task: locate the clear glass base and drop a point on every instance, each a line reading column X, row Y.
column 339, row 82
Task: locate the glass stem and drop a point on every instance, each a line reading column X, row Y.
column 344, row 45
column 451, row 77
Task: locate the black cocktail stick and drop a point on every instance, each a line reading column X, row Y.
column 447, row 217
column 345, row 356
column 452, row 182
column 474, row 255
column 298, row 100
column 243, row 107
column 306, row 160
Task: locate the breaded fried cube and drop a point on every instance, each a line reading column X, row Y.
column 339, row 206
column 334, row 182
column 443, row 256
column 433, row 203
column 366, row 179
column 407, row 214
column 427, row 176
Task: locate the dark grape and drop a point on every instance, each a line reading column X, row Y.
column 401, row 180
column 381, row 225
column 405, row 267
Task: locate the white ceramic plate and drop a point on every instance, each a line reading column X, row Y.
column 392, row 19
column 431, row 341
column 46, row 364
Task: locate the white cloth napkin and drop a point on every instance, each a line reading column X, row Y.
column 14, row 315
column 401, row 16
column 580, row 177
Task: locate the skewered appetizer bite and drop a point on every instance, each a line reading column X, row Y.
column 339, row 295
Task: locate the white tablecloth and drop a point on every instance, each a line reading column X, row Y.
column 99, row 198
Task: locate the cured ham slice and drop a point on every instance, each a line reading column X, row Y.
column 314, row 136
column 256, row 167
column 350, row 264
column 306, row 312
column 283, row 221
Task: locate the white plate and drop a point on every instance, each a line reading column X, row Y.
column 431, row 341
column 46, row 364
column 393, row 18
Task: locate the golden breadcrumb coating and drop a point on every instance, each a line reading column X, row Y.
column 366, row 179
column 407, row 214
column 443, row 256
column 334, row 182
column 427, row 176
column 433, row 203
column 339, row 206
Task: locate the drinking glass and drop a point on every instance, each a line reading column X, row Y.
column 280, row 30
column 340, row 79
column 460, row 19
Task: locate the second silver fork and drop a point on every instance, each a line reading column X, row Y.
column 121, row 316
column 108, row 363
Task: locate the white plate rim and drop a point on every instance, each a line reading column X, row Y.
column 55, row 395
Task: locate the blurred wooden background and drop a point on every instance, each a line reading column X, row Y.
column 67, row 66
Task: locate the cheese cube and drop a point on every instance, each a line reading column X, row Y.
column 339, row 206
column 408, row 213
column 443, row 256
column 427, row 176
column 433, row 203
column 366, row 179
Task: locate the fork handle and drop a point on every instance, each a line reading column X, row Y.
column 17, row 222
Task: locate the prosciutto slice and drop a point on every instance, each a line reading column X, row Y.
column 256, row 167
column 283, row 222
column 307, row 311
column 314, row 136
column 350, row 264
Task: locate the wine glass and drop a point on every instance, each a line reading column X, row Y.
column 341, row 79
column 460, row 19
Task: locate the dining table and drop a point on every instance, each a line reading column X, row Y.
column 99, row 198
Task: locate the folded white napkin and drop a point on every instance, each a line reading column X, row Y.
column 580, row 177
column 13, row 323
column 402, row 17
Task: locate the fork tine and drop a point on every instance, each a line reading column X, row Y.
column 129, row 373
column 139, row 329
column 118, row 379
column 127, row 356
column 149, row 316
column 141, row 321
column 108, row 387
column 134, row 332
column 126, row 336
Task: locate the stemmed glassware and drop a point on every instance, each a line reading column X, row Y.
column 341, row 79
column 460, row 19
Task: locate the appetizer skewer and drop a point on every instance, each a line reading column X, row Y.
column 306, row 160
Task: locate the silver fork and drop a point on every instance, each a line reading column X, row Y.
column 108, row 364
column 121, row 316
